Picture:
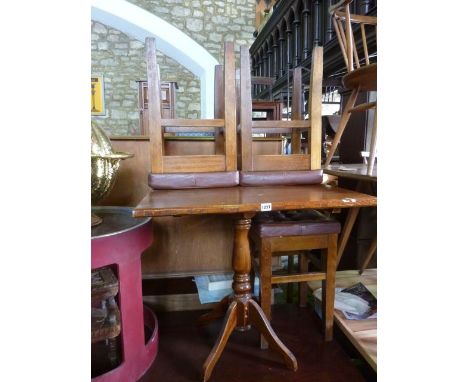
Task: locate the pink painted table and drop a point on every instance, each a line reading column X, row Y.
column 119, row 240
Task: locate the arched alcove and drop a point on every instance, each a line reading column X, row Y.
column 139, row 24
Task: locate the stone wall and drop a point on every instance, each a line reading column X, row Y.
column 121, row 61
column 120, row 58
column 208, row 22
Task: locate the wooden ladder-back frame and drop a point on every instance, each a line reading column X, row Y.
column 295, row 161
column 343, row 22
column 359, row 77
column 161, row 163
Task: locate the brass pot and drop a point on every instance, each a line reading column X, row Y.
column 104, row 164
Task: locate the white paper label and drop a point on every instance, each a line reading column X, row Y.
column 265, row 207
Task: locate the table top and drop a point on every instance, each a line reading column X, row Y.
column 115, row 220
column 356, row 171
column 248, row 199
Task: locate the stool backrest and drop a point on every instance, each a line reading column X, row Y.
column 283, row 163
column 225, row 158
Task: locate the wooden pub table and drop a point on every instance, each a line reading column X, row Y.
column 240, row 310
column 358, row 172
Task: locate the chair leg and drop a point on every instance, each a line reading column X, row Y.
column 328, row 286
column 303, row 288
column 370, row 253
column 265, row 284
column 373, row 147
column 341, row 126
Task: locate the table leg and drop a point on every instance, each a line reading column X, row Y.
column 369, row 254
column 218, row 311
column 261, row 323
column 229, row 324
column 243, row 310
column 348, row 226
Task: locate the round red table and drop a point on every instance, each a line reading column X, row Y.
column 119, row 240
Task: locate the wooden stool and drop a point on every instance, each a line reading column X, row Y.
column 285, row 233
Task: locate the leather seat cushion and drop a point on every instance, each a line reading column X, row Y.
column 294, row 223
column 183, row 180
column 271, row 178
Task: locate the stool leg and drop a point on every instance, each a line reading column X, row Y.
column 290, row 286
column 328, row 286
column 341, row 126
column 303, row 288
column 265, row 284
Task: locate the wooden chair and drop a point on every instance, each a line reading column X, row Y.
column 189, row 171
column 289, row 232
column 361, row 74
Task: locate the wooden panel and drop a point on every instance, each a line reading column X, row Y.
column 281, row 162
column 189, row 245
column 293, row 243
column 176, row 302
column 131, row 184
column 267, row 146
column 194, row 163
column 178, row 146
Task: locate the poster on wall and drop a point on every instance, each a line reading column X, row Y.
column 97, row 96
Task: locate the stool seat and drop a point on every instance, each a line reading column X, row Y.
column 294, row 223
column 364, row 78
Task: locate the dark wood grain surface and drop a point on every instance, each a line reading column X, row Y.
column 356, row 171
column 248, row 199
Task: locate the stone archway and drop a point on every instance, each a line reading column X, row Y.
column 139, row 24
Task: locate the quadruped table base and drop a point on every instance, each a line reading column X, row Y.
column 119, row 241
column 240, row 310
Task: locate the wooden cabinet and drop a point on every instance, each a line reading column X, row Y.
column 168, row 102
